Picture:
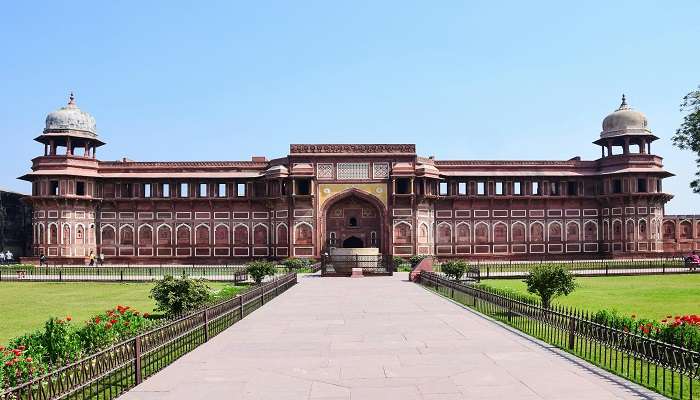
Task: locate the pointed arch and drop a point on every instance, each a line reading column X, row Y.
column 402, row 232
column 202, row 235
column 463, row 233
column 590, row 231
column 630, row 230
column 573, row 231
column 500, row 232
column 183, row 235
column 221, row 235
column 537, row 232
column 65, row 234
column 165, row 235
column 282, row 234
column 79, row 233
column 518, row 232
column 260, row 234
column 108, row 235
column 444, row 233
column 303, row 233
column 40, row 233
column 686, row 229
column 145, row 235
column 554, row 232
column 617, row 230
column 481, row 232
column 241, row 235
column 126, row 235
column 606, row 230
column 643, row 233
column 423, row 233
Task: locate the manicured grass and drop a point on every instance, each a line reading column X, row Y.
column 649, row 296
column 25, row 306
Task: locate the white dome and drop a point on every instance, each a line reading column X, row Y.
column 623, row 121
column 71, row 117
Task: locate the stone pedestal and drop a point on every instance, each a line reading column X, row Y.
column 356, row 273
column 345, row 259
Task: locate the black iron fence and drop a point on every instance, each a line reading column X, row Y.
column 666, row 368
column 111, row 372
column 598, row 267
column 121, row 273
column 342, row 265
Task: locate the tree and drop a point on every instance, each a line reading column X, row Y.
column 454, row 269
column 549, row 281
column 687, row 137
column 258, row 270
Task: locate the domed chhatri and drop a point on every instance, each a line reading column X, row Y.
column 624, row 121
column 71, row 117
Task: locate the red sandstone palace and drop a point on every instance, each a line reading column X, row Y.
column 351, row 195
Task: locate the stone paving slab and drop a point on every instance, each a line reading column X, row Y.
column 376, row 338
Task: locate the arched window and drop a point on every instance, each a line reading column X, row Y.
column 444, row 233
column 423, row 233
column 629, row 231
column 464, row 234
column 65, row 238
column 643, row 234
column 202, row 235
column 108, row 235
column 669, row 230
column 240, row 235
column 352, row 222
column 481, row 233
column 402, row 233
column 79, row 234
column 282, row 235
column 617, row 230
column 500, row 232
column 145, row 235
column 165, row 235
column 260, row 235
column 590, row 231
column 537, row 232
column 126, row 236
column 686, row 230
column 373, row 239
column 183, row 235
column 518, row 232
column 303, row 234
column 554, row 234
column 221, row 235
column 91, row 234
column 40, row 235
column 572, row 232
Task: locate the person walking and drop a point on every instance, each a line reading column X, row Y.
column 102, row 258
column 42, row 260
column 2, row 257
column 8, row 257
column 693, row 261
column 92, row 258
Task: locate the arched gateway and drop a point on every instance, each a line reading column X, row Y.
column 354, row 219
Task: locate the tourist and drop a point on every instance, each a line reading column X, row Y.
column 42, row 261
column 693, row 261
column 92, row 259
column 8, row 257
column 2, row 257
column 102, row 258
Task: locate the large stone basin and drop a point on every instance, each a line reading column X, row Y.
column 345, row 259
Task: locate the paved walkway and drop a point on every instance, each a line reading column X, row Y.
column 375, row 338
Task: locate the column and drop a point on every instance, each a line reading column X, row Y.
column 46, row 149
column 626, row 146
column 69, row 148
column 642, row 146
column 609, row 146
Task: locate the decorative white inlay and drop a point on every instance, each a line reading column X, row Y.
column 324, row 171
column 353, row 171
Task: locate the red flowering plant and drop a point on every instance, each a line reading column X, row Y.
column 17, row 366
column 114, row 324
column 679, row 330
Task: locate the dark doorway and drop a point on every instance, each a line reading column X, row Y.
column 353, row 242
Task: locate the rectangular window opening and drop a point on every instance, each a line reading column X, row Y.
column 240, row 190
column 641, row 185
column 304, row 187
column 481, row 188
column 146, row 190
column 221, row 190
column 80, row 188
column 499, row 188
column 617, row 186
column 536, row 189
column 554, row 189
column 403, row 186
column 462, row 188
column 203, row 190
column 184, row 189
column 572, row 188
column 443, row 189
column 165, row 190
column 517, row 190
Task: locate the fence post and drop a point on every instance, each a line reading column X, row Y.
column 206, row 324
column 121, row 275
column 510, row 312
column 240, row 304
column 137, row 361
column 572, row 331
column 60, row 275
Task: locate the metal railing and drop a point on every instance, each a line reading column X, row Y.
column 599, row 267
column 666, row 368
column 112, row 371
column 121, row 273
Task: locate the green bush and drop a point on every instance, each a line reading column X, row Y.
column 416, row 259
column 454, row 269
column 549, row 281
column 295, row 264
column 176, row 295
column 258, row 270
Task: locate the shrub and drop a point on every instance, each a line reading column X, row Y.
column 295, row 264
column 173, row 295
column 454, row 269
column 549, row 281
column 258, row 270
column 397, row 261
column 416, row 259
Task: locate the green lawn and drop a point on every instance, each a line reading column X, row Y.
column 649, row 296
column 25, row 306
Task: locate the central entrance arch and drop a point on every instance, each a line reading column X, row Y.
column 353, row 219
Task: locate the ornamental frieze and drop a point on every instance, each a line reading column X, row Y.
column 352, row 148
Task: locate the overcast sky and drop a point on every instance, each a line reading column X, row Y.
column 461, row 79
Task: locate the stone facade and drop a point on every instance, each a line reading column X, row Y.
column 351, row 195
